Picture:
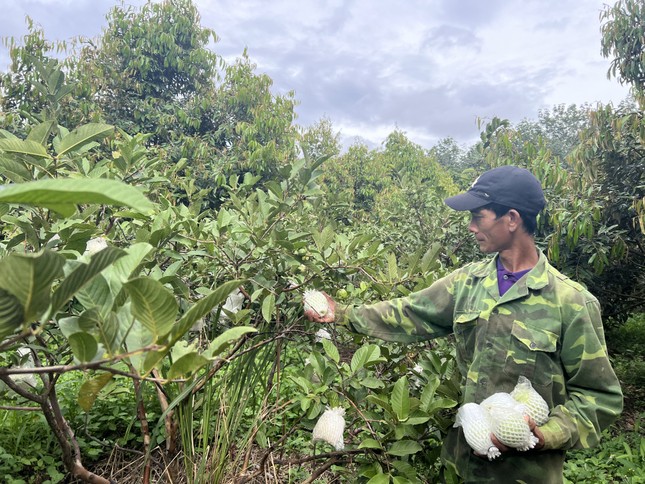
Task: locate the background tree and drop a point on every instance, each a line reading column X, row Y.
column 320, row 140
column 152, row 70
column 26, row 87
column 557, row 128
column 254, row 127
column 623, row 41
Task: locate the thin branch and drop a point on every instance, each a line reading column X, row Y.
column 14, row 339
column 21, row 409
column 21, row 391
column 81, row 366
column 322, row 469
column 145, row 429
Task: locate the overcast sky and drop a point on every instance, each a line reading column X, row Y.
column 429, row 68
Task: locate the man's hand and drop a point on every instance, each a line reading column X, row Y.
column 534, row 428
column 537, row 432
column 329, row 317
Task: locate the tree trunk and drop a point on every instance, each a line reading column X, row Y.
column 67, row 440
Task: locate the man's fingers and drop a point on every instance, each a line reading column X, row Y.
column 329, row 317
column 312, row 315
column 530, row 421
column 498, row 444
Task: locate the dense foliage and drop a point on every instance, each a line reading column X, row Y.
column 162, row 215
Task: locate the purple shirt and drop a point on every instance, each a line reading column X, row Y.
column 506, row 279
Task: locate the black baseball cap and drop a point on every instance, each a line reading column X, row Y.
column 511, row 186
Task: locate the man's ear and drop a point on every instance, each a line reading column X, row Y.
column 515, row 220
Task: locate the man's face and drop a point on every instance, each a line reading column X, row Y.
column 492, row 233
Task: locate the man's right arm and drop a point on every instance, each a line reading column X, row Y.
column 420, row 316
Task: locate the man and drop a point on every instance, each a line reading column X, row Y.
column 511, row 315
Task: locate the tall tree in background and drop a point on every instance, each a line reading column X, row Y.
column 152, row 70
column 590, row 161
column 558, row 127
column 25, row 88
column 320, row 140
column 254, row 128
column 611, row 156
column 623, row 40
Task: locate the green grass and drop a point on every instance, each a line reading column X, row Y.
column 620, row 458
column 28, row 450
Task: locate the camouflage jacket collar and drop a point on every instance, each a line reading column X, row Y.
column 536, row 278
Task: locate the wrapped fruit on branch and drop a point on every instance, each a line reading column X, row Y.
column 330, row 427
column 315, row 301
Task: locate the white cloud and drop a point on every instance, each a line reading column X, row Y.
column 428, row 67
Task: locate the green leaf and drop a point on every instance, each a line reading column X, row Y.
column 406, row 469
column 427, row 396
column 440, row 404
column 417, row 417
column 187, row 365
column 152, row 304
column 400, row 399
column 62, row 195
column 153, row 358
column 380, row 478
column 204, row 306
column 404, row 447
column 323, row 239
column 96, row 294
column 11, row 313
column 182, row 348
column 90, row 390
column 40, row 133
column 331, row 350
column 27, row 147
column 317, row 362
column 14, row 170
column 82, row 135
column 73, row 324
column 306, row 386
column 82, row 275
column 137, row 337
column 369, row 444
column 364, row 355
column 83, row 345
column 4, row 134
column 123, row 269
column 392, row 269
column 29, row 277
column 371, row 382
column 380, row 401
column 268, row 305
column 430, row 256
column 402, row 480
column 219, row 344
column 196, row 312
column 113, row 329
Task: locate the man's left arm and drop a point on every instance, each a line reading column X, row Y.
column 593, row 395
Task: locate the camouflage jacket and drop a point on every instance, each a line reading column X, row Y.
column 546, row 327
